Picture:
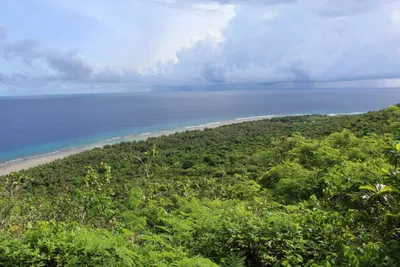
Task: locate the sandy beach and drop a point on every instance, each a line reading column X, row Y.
column 29, row 162
column 26, row 163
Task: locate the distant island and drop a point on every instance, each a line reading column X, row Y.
column 307, row 190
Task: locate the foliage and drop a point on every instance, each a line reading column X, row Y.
column 293, row 191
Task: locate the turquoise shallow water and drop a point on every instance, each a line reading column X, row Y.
column 40, row 125
column 105, row 138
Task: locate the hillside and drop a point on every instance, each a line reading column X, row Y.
column 293, row 191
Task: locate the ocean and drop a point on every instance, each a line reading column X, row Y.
column 45, row 124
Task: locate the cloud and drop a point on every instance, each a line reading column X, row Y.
column 265, row 42
column 296, row 44
column 186, row 3
column 68, row 64
column 337, row 8
column 3, row 33
column 110, row 75
column 57, row 65
column 247, row 2
column 64, row 65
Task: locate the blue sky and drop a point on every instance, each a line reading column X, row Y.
column 73, row 46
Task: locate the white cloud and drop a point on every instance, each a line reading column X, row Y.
column 138, row 33
column 396, row 17
column 213, row 42
column 297, row 44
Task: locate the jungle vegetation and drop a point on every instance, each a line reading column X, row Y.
column 292, row 191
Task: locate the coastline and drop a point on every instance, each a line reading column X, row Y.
column 36, row 160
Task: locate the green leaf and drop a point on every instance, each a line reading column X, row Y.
column 388, row 189
column 398, row 146
column 386, row 171
column 368, row 187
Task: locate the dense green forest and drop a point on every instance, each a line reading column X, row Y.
column 291, row 191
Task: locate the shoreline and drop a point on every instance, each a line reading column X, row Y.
column 36, row 160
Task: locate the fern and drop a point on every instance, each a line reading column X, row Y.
column 234, row 260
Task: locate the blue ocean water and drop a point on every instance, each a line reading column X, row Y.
column 37, row 125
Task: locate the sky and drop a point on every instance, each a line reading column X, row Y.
column 91, row 46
